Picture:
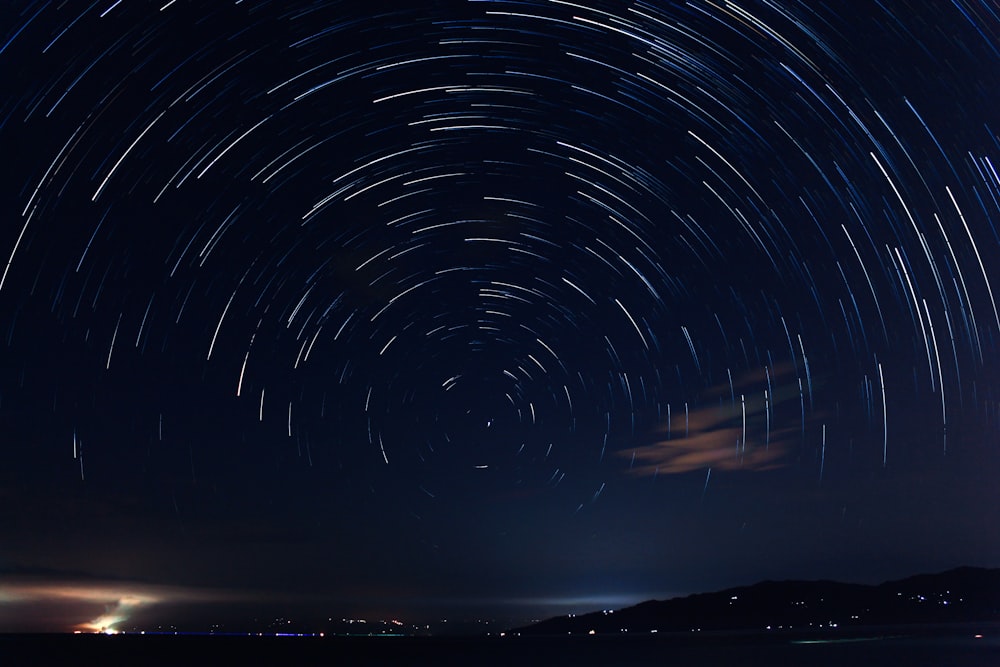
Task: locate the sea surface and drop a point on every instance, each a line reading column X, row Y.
column 964, row 646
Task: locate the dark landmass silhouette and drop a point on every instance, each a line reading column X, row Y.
column 961, row 595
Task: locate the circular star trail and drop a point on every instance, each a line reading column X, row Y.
column 494, row 249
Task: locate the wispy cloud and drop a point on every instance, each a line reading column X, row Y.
column 739, row 432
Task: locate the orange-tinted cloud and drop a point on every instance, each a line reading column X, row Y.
column 735, row 434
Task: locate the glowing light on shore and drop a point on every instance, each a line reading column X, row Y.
column 77, row 602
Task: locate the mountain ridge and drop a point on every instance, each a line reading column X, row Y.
column 962, row 594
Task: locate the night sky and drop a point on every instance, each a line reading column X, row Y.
column 500, row 308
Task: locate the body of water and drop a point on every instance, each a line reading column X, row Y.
column 965, row 646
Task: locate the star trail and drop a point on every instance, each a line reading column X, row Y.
column 390, row 307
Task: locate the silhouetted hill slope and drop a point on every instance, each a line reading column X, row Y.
column 960, row 595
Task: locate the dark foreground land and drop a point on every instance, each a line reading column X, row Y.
column 954, row 646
